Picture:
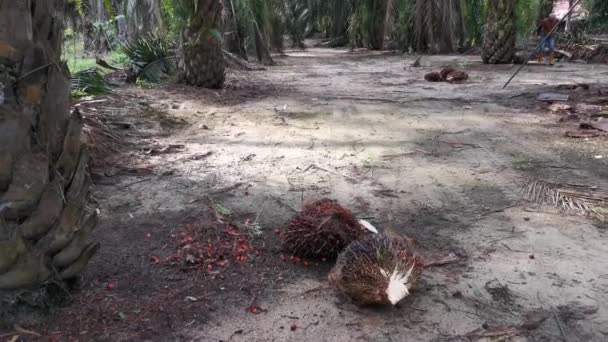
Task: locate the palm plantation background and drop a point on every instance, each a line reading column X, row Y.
column 253, row 29
column 44, row 185
column 187, row 40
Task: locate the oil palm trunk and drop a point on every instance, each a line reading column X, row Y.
column 44, row 183
column 500, row 32
column 202, row 57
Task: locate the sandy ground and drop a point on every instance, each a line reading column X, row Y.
column 439, row 162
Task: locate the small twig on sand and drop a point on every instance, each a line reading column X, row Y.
column 513, row 236
column 555, row 317
column 280, row 201
column 89, row 102
column 452, row 258
column 136, row 182
column 330, row 171
column 516, row 95
column 318, row 288
column 515, row 250
column 25, row 331
column 458, row 143
column 226, row 189
column 397, row 155
column 499, row 210
column 457, row 132
column 559, row 325
column 254, row 298
column 423, row 151
column 258, row 215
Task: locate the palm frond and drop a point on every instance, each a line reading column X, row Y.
column 152, row 56
column 109, row 8
column 579, row 199
column 89, row 82
column 82, row 6
column 159, row 69
column 296, row 19
column 598, row 11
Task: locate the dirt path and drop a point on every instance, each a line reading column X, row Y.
column 442, row 163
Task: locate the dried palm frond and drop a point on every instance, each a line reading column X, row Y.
column 580, row 199
column 101, row 138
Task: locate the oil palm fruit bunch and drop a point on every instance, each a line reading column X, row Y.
column 323, row 229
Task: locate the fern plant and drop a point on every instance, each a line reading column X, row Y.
column 152, row 56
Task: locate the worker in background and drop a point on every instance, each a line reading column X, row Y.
column 546, row 26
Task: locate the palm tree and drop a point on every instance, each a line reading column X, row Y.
column 44, row 182
column 202, row 57
column 500, row 32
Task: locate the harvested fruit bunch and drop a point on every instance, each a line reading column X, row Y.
column 457, row 76
column 433, row 77
column 445, row 72
column 377, row 270
column 322, row 229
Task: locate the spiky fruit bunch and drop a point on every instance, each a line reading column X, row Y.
column 457, row 76
column 433, row 77
column 376, row 270
column 445, row 72
column 321, row 230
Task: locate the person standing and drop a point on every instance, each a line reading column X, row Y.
column 546, row 27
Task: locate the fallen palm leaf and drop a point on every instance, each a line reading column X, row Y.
column 531, row 321
column 99, row 135
column 89, row 82
column 580, row 199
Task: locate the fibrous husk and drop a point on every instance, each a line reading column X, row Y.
column 71, row 253
column 321, row 230
column 366, row 267
column 75, row 268
column 71, row 147
column 30, row 173
column 63, row 232
column 433, row 77
column 47, row 212
column 6, row 168
column 29, row 271
column 69, row 223
column 9, row 252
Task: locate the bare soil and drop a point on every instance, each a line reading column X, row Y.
column 439, row 162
